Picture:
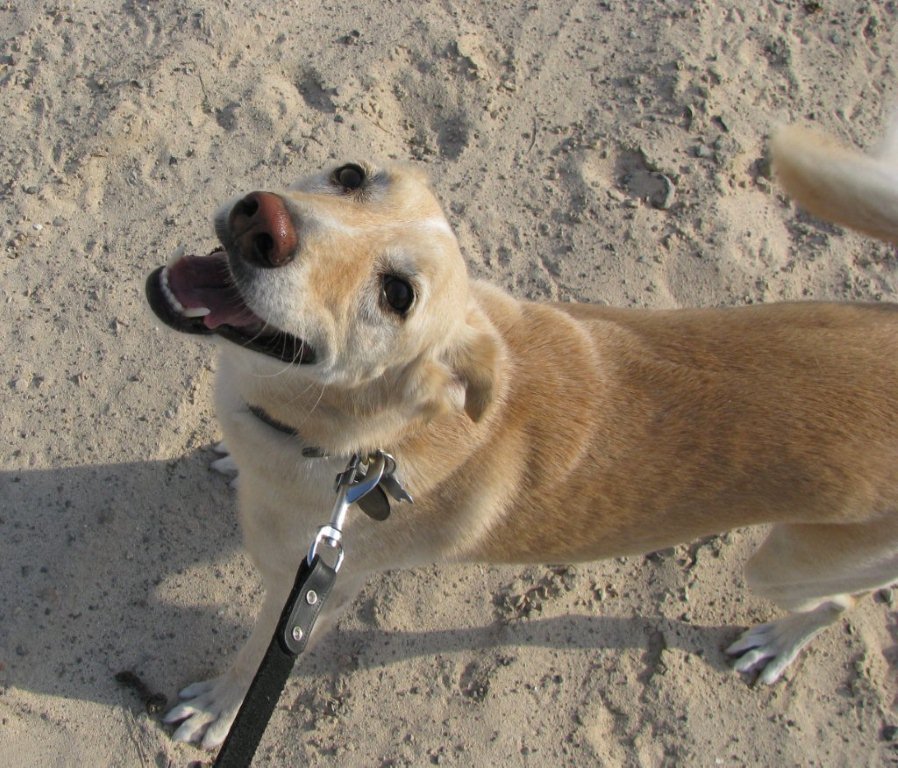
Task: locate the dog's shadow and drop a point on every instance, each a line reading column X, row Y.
column 653, row 635
column 133, row 567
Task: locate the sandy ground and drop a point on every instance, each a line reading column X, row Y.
column 597, row 151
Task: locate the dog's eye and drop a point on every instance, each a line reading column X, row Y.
column 398, row 294
column 349, row 176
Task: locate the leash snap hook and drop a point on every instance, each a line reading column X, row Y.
column 331, row 538
column 349, row 491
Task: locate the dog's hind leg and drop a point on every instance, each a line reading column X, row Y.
column 815, row 572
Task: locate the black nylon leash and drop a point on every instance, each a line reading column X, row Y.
column 312, row 586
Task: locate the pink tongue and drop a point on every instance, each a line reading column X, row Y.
column 205, row 281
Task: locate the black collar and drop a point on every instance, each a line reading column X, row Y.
column 309, row 451
column 376, row 503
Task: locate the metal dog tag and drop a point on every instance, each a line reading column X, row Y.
column 390, row 483
column 375, row 504
column 392, row 486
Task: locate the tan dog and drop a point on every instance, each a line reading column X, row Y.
column 534, row 433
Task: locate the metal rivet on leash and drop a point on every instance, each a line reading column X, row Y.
column 297, row 633
column 311, row 597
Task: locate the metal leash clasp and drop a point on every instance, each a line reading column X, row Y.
column 349, row 490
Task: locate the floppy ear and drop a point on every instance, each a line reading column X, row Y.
column 463, row 376
column 475, row 364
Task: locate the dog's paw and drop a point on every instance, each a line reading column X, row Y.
column 225, row 465
column 772, row 647
column 206, row 711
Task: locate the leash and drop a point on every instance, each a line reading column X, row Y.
column 313, row 584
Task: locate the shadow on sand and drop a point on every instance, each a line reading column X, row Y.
column 136, row 566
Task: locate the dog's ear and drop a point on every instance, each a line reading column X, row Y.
column 474, row 364
column 464, row 376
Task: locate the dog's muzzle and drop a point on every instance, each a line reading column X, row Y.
column 198, row 294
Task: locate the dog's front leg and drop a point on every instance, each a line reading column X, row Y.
column 208, row 708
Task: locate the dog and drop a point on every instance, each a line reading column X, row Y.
column 530, row 432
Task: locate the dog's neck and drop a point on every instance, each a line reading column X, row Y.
column 337, row 420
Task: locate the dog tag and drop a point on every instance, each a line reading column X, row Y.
column 375, row 504
column 392, row 486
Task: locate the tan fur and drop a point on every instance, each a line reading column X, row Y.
column 554, row 433
column 840, row 184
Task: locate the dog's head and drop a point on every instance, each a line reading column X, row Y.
column 350, row 276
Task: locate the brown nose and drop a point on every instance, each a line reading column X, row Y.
column 262, row 230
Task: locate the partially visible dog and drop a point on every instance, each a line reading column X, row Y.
column 533, row 433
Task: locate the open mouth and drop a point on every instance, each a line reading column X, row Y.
column 197, row 294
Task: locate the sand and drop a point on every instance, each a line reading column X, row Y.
column 589, row 151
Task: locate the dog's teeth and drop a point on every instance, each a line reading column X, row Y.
column 177, row 305
column 169, row 296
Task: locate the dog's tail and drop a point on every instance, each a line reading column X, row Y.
column 840, row 184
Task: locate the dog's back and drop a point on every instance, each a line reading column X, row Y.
column 778, row 413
